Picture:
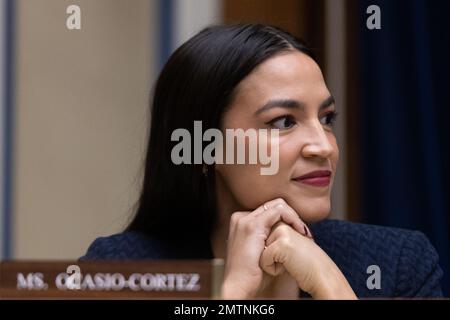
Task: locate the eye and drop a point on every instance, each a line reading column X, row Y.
column 282, row 123
column 329, row 119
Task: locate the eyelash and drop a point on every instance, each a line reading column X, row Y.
column 330, row 119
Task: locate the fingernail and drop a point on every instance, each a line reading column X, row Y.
column 308, row 232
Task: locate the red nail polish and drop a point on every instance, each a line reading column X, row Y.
column 308, row 232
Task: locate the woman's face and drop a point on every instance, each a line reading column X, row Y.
column 286, row 92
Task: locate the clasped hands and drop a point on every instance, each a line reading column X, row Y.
column 273, row 239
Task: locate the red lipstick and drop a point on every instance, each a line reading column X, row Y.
column 319, row 178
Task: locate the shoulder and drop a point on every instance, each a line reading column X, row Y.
column 129, row 245
column 330, row 230
column 407, row 262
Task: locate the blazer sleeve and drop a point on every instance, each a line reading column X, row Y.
column 418, row 270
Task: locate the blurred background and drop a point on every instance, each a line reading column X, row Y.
column 74, row 110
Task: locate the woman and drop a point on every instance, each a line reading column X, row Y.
column 257, row 77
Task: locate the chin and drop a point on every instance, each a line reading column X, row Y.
column 313, row 210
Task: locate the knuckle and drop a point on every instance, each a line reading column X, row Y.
column 283, row 206
column 280, row 207
column 285, row 243
column 235, row 218
column 249, row 227
column 243, row 223
column 275, row 202
column 281, row 232
column 283, row 229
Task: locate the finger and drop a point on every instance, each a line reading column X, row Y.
column 292, row 218
column 277, row 232
column 297, row 224
column 275, row 214
column 269, row 204
column 268, row 263
column 234, row 220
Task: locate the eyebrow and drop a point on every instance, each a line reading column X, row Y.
column 292, row 104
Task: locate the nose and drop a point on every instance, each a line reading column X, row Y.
column 317, row 143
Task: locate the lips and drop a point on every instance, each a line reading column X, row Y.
column 319, row 178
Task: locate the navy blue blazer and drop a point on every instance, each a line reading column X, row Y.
column 408, row 263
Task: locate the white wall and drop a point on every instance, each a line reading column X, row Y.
column 81, row 121
column 190, row 16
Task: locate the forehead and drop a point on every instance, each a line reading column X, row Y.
column 287, row 75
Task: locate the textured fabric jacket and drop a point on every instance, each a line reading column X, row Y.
column 407, row 261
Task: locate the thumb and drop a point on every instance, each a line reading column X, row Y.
column 268, row 261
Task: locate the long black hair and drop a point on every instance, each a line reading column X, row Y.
column 177, row 204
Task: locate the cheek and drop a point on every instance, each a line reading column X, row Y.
column 246, row 183
column 290, row 150
column 335, row 156
column 247, row 186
